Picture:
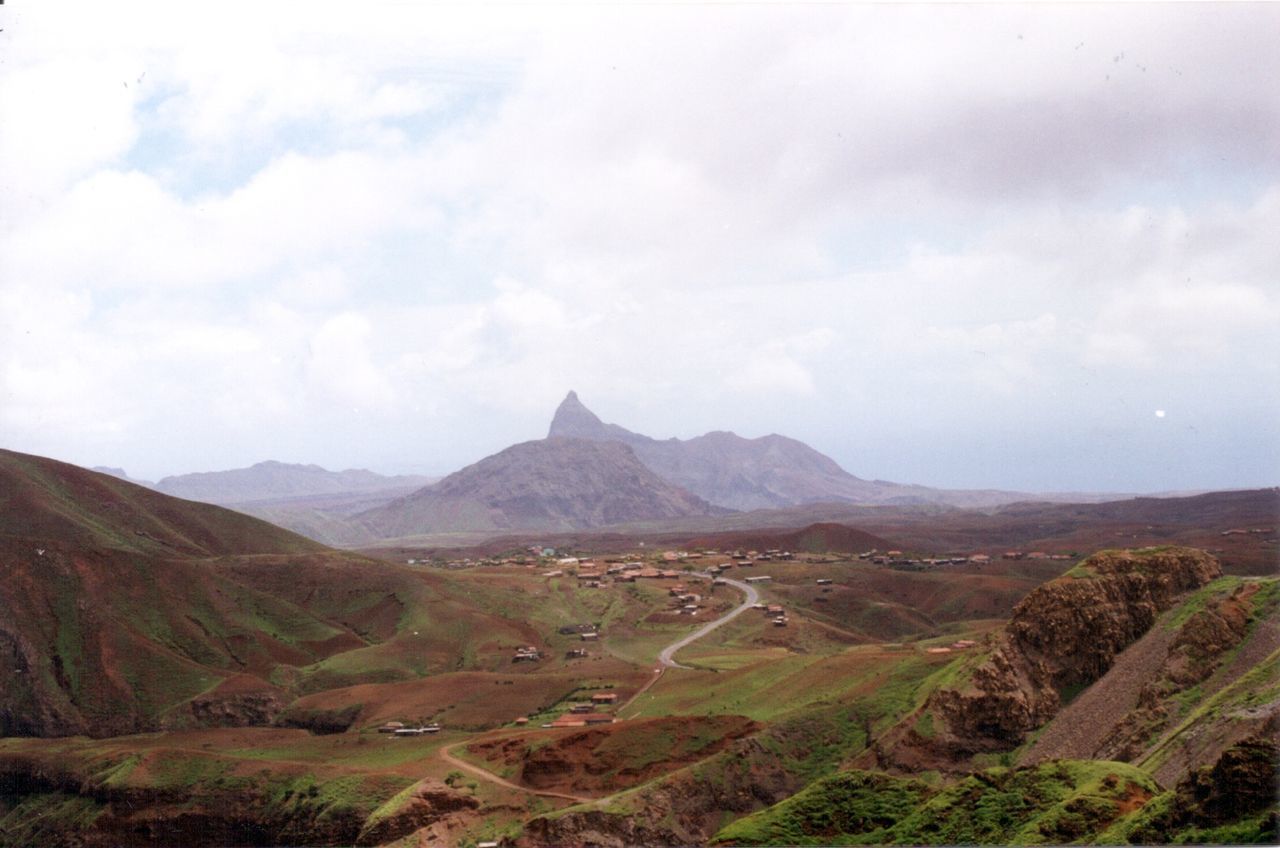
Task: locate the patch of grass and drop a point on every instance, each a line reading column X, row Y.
column 1200, row 599
column 924, row 725
column 1258, row 687
column 45, row 819
column 854, row 805
column 1057, row 802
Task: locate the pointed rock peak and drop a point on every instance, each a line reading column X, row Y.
column 574, row 419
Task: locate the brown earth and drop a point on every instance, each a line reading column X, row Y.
column 886, row 604
column 471, row 700
column 608, row 758
column 684, row 809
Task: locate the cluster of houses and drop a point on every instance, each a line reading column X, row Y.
column 1239, row 531
column 659, row 564
column 593, row 575
column 958, row 645
column 897, row 559
column 684, row 601
column 585, row 632
column 535, row 556
column 775, row 613
column 583, row 714
column 399, row 728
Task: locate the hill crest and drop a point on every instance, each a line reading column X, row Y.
column 558, row 483
column 767, row 472
column 43, row 498
column 272, row 480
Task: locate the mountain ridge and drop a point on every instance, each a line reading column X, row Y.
column 275, row 480
column 766, row 472
column 558, row 483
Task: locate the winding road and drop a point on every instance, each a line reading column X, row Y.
column 665, row 661
column 753, row 597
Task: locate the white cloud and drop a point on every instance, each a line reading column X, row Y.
column 1162, row 327
column 341, row 367
column 422, row 212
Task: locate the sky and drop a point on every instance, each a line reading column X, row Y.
column 1030, row 247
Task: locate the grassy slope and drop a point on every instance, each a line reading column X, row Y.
column 299, row 785
column 1053, row 803
column 121, row 604
column 1036, row 804
column 45, row 500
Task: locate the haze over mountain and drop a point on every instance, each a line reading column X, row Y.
column 122, row 474
column 273, row 480
column 769, row 472
column 557, row 483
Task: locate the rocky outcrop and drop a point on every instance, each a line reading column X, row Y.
column 1064, row 635
column 1071, row 629
column 1193, row 655
column 321, row 722
column 685, row 809
column 1243, row 783
column 243, row 709
column 429, row 803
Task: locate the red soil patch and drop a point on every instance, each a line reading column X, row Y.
column 1133, row 799
column 472, row 700
column 609, row 758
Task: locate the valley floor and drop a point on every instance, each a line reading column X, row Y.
column 769, row 728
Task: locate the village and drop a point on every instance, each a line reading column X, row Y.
column 685, row 598
column 671, row 564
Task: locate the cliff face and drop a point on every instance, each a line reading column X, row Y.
column 1071, row 629
column 1063, row 636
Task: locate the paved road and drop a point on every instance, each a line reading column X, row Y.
column 753, row 597
column 665, row 661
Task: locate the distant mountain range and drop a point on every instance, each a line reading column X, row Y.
column 272, row 480
column 120, row 473
column 766, row 473
column 556, row 483
column 586, row 474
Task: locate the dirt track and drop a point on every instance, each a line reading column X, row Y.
column 665, row 660
column 446, row 754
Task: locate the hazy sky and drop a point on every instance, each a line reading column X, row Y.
column 1030, row 247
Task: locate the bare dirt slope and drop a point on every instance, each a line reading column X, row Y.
column 608, row 758
column 1188, row 657
column 551, row 484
